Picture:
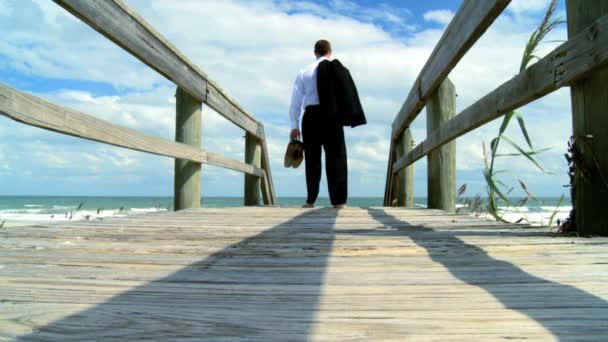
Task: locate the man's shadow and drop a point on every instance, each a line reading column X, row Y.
column 265, row 287
column 575, row 313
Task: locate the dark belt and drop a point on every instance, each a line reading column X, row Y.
column 312, row 108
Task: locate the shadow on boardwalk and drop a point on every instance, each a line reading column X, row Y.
column 266, row 287
column 579, row 313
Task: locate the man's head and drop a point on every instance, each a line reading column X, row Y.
column 322, row 48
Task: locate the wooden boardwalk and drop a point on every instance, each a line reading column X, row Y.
column 268, row 274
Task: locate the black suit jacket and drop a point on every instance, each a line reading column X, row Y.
column 338, row 94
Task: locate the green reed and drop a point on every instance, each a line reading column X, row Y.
column 497, row 189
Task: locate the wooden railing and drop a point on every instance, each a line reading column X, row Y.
column 122, row 25
column 578, row 63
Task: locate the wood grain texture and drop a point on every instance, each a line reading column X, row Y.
column 268, row 193
column 589, row 105
column 277, row 274
column 122, row 25
column 125, row 27
column 252, row 184
column 229, row 163
column 568, row 63
column 188, row 130
column 470, row 22
column 405, row 177
column 390, row 175
column 441, row 166
column 37, row 112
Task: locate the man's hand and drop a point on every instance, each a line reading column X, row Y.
column 295, row 133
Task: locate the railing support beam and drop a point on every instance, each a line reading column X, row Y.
column 440, row 108
column 405, row 177
column 390, row 176
column 253, row 156
column 589, row 120
column 188, row 120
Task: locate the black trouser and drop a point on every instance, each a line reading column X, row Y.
column 321, row 130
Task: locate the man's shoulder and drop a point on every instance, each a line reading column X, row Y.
column 337, row 65
column 305, row 70
column 323, row 64
column 309, row 67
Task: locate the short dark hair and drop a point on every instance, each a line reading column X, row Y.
column 322, row 47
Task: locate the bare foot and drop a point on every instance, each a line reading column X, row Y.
column 308, row 205
column 340, row 206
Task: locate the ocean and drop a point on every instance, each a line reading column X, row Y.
column 49, row 209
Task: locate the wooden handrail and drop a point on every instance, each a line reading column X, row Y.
column 34, row 111
column 268, row 192
column 125, row 27
column 580, row 62
column 567, row 63
column 470, row 22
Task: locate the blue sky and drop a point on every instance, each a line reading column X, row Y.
column 254, row 49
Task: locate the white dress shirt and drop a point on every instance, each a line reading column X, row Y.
column 304, row 92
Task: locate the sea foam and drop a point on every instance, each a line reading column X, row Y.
column 40, row 216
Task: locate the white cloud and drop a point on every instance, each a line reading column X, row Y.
column 439, row 16
column 389, row 15
column 53, row 14
column 527, row 6
column 254, row 50
column 42, row 39
column 152, row 111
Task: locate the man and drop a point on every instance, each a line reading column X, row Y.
column 323, row 121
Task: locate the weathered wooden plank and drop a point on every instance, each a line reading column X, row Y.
column 76, row 237
column 470, row 22
column 229, row 163
column 191, row 323
column 268, row 192
column 441, row 169
column 591, row 255
column 571, row 61
column 526, row 259
column 168, row 237
column 295, row 274
column 217, row 298
column 188, row 130
column 255, row 222
column 405, row 177
column 294, row 238
column 409, row 251
column 252, row 184
column 390, row 176
column 125, row 27
column 35, row 111
column 426, row 273
column 589, row 121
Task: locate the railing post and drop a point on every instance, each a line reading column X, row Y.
column 268, row 194
column 253, row 156
column 440, row 108
column 589, row 121
column 188, row 119
column 405, row 178
column 390, row 176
